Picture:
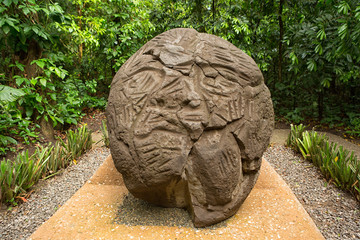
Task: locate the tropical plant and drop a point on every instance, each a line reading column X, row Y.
column 77, row 141
column 59, row 159
column 64, row 54
column 336, row 163
column 18, row 176
column 296, row 132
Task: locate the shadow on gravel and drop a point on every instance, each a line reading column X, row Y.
column 136, row 212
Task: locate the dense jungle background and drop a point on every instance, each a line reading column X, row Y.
column 58, row 57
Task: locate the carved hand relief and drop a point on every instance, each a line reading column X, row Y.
column 189, row 117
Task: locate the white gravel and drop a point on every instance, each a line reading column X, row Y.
column 50, row 195
column 335, row 212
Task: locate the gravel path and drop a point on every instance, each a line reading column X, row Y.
column 25, row 219
column 336, row 213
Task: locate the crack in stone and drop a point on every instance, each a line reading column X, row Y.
column 198, row 116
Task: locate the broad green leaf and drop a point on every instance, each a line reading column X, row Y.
column 39, row 62
column 319, row 49
column 9, row 94
column 27, row 29
column 19, row 66
column 43, row 35
column 321, row 34
column 343, row 8
column 63, row 73
column 311, row 65
column 22, row 38
column 40, row 108
column 60, row 120
column 51, row 86
column 7, row 2
column 19, row 81
column 293, row 58
column 26, row 10
column 349, row 58
column 45, row 11
column 33, row 81
column 11, row 22
column 29, row 111
column 35, row 29
column 6, row 29
column 43, row 81
column 58, row 72
column 357, row 14
column 53, row 96
column 343, row 30
column 325, row 82
column 5, row 140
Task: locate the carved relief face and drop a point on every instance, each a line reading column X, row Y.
column 184, row 115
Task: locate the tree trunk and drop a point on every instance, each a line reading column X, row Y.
column 281, row 27
column 213, row 10
column 320, row 104
column 198, row 9
column 80, row 26
column 33, row 52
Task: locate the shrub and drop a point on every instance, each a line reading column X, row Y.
column 78, row 141
column 295, row 133
column 19, row 175
column 336, row 163
column 59, row 159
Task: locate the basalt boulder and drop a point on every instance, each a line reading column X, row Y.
column 189, row 117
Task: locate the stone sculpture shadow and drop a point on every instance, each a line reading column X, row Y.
column 137, row 212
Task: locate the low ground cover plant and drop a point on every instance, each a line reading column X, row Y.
column 18, row 176
column 336, row 163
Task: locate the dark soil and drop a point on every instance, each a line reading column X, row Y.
column 93, row 119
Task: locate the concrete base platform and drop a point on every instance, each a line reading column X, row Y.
column 270, row 212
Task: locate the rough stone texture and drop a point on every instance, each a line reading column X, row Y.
column 189, row 117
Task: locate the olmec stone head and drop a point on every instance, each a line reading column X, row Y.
column 189, row 117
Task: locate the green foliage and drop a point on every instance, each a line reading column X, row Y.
column 354, row 126
column 42, row 75
column 18, row 176
column 336, row 163
column 61, row 57
column 59, row 159
column 323, row 59
column 9, row 94
column 10, row 118
column 296, row 132
column 78, row 141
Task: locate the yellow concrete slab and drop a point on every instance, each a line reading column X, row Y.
column 270, row 212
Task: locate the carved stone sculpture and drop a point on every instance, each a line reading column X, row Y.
column 189, row 117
